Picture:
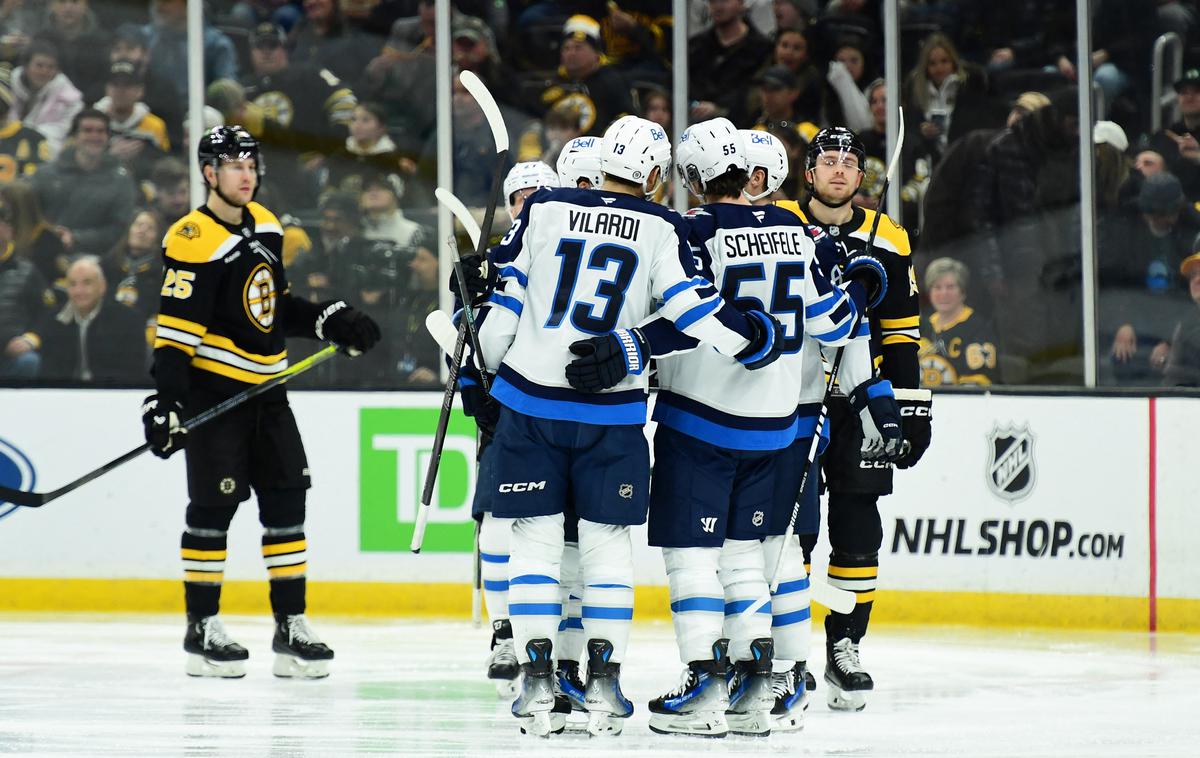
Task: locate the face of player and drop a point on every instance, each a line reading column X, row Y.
column 939, row 66
column 143, row 232
column 40, row 70
column 517, row 201
column 945, row 294
column 791, row 50
column 836, row 177
column 852, row 57
column 237, row 181
column 85, row 286
column 1149, row 163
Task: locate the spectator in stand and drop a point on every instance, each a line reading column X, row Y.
column 1123, row 33
column 22, row 149
column 473, row 147
column 722, row 60
column 86, row 193
column 82, row 45
column 402, row 78
column 166, row 44
column 134, row 265
column 139, row 138
column 1181, row 364
column 415, row 354
column 93, row 338
column 19, row 21
column 1111, row 166
column 43, row 97
column 656, row 107
column 328, row 267
column 368, row 151
column 794, row 14
column 792, row 51
column 846, row 77
column 382, row 218
column 583, row 78
column 1178, row 143
column 131, row 43
column 34, row 236
column 250, row 13
column 875, row 144
column 780, row 91
column 170, row 190
column 1149, row 163
column 24, row 299
column 323, row 39
column 958, row 346
column 795, row 186
column 944, row 98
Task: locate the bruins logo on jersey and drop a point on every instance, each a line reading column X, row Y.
column 276, row 106
column 259, row 297
column 936, row 371
column 189, row 231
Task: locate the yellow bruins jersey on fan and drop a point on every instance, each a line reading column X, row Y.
column 220, row 298
column 22, row 150
column 962, row 351
column 895, row 322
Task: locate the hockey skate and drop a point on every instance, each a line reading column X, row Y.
column 502, row 666
column 568, row 683
column 210, row 650
column 791, row 699
column 299, row 653
column 539, row 709
column 848, row 682
column 750, row 696
column 606, row 705
column 697, row 706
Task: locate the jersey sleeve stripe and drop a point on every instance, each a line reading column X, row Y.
column 512, row 272
column 175, row 335
column 268, row 228
column 675, row 289
column 231, row 372
column 834, row 334
column 822, row 306
column 232, row 359
column 696, row 313
column 181, row 324
column 224, row 343
column 911, row 322
column 187, row 350
column 900, row 339
column 511, row 303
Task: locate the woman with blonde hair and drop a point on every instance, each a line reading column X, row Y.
column 944, row 98
column 33, row 236
column 134, row 266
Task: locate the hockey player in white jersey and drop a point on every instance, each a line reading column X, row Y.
column 579, row 164
column 578, row 263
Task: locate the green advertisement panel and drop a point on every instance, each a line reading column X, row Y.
column 394, row 449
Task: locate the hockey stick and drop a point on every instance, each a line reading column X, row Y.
column 38, row 499
column 837, row 601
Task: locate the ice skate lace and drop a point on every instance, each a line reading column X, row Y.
column 783, row 684
column 299, row 630
column 845, row 655
column 215, row 635
column 685, row 681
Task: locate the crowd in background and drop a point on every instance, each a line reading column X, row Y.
column 93, row 149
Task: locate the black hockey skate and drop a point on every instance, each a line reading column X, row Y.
column 568, row 683
column 791, row 699
column 697, row 706
column 848, row 682
column 502, row 666
column 210, row 650
column 539, row 709
column 750, row 696
column 606, row 705
column 298, row 651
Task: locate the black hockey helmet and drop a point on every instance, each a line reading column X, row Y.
column 835, row 138
column 229, row 143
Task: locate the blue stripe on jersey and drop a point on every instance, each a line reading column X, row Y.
column 675, row 289
column 495, row 585
column 795, row 617
column 836, row 333
column 864, row 328
column 796, row 585
column 493, row 557
column 696, row 313
column 515, row 273
column 821, row 307
column 510, row 303
column 562, row 404
column 737, row 606
column 722, row 429
column 613, row 614
column 709, row 604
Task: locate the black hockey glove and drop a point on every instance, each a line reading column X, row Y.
column 478, row 404
column 479, row 276
column 161, row 421
column 604, row 361
column 916, row 413
column 350, row 329
column 767, row 344
column 869, row 273
column 882, row 432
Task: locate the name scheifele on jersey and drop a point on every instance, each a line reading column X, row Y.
column 220, row 297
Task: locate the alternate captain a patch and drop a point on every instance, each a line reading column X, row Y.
column 259, row 297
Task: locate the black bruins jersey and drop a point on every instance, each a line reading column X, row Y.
column 895, row 335
column 22, row 150
column 223, row 291
column 960, row 352
column 305, row 99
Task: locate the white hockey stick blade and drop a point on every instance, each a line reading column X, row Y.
column 456, row 207
column 491, row 111
column 443, row 331
column 834, row 598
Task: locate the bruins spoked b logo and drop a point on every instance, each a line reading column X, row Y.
column 259, row 297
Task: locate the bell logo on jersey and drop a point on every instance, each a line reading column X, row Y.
column 522, row 486
column 259, row 297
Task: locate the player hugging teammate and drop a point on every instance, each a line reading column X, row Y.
column 586, row 288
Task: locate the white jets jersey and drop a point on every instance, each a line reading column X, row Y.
column 762, row 259
column 581, row 263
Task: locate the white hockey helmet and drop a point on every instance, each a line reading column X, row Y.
column 526, row 175
column 580, row 159
column 632, row 148
column 766, row 151
column 707, row 150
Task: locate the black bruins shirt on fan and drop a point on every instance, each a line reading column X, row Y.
column 895, row 322
column 962, row 351
column 22, row 150
column 221, row 291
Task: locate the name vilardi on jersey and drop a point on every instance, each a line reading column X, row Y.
column 602, row 222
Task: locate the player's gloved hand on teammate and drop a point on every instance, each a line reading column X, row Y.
column 604, row 361
column 767, row 344
column 883, row 438
column 865, row 279
column 347, row 327
column 916, row 413
column 161, row 419
column 479, row 277
column 478, row 404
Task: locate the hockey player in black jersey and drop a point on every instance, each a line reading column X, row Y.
column 834, row 171
column 224, row 313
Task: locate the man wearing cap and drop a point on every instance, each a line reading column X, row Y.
column 22, row 149
column 139, row 138
column 585, row 78
column 780, row 91
column 1179, row 143
column 722, row 60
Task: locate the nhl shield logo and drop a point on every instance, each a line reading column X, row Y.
column 1010, row 468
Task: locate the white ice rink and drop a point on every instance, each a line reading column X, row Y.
column 101, row 686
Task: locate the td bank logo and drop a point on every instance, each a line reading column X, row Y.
column 394, row 449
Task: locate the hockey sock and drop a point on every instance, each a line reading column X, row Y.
column 570, row 629
column 741, row 569
column 791, row 612
column 203, row 552
column 494, row 537
column 534, row 602
column 858, row 574
column 285, row 553
column 697, row 600
column 606, row 563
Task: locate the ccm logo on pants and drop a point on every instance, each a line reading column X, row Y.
column 522, row 486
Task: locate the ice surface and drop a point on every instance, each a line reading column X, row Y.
column 114, row 685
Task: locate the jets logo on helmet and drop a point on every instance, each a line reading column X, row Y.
column 527, row 175
column 707, row 150
column 632, row 148
column 766, row 151
column 580, row 159
column 838, row 139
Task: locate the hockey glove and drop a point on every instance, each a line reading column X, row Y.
column 478, row 404
column 916, row 413
column 604, row 361
column 868, row 272
column 164, row 433
column 479, row 277
column 767, row 344
column 882, row 433
column 350, row 329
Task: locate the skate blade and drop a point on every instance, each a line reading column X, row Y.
column 844, row 700
column 602, row 724
column 507, row 689
column 712, row 725
column 542, row 723
column 750, row 724
column 198, row 665
column 576, row 722
column 291, row 667
column 793, row 721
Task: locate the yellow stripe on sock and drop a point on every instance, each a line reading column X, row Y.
column 287, row 572
column 284, row 547
column 853, row 572
column 203, row 577
column 191, row 554
column 864, row 597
